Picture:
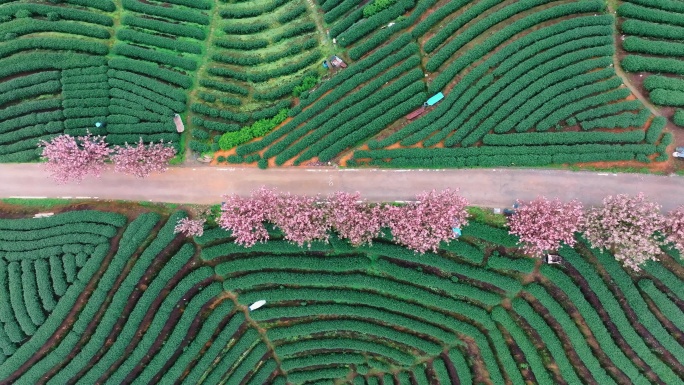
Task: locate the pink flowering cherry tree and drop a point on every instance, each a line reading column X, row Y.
column 141, row 160
column 301, row 218
column 72, row 159
column 245, row 217
column 674, row 228
column 626, row 225
column 353, row 219
column 422, row 225
column 190, row 227
column 543, row 224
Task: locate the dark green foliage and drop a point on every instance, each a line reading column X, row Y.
column 251, row 60
column 154, row 56
column 678, row 118
column 63, row 13
column 250, row 11
column 198, row 147
column 295, row 30
column 215, row 113
column 164, row 27
column 245, row 45
column 158, row 87
column 656, row 30
column 655, row 129
column 66, row 44
column 292, row 14
column 633, row 63
column 199, row 4
column 200, row 134
column 658, row 81
column 244, row 28
column 664, row 48
column 664, row 97
column 262, row 76
column 150, row 70
column 173, row 13
column 270, row 111
column 225, row 87
column 158, row 41
column 376, row 6
column 231, row 101
column 343, row 7
column 360, row 30
column 215, row 126
column 28, row 26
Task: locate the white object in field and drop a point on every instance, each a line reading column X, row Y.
column 496, row 210
column 43, row 215
column 553, row 259
column 257, row 304
column 98, row 124
column 334, row 40
column 678, row 154
column 390, row 24
column 180, row 127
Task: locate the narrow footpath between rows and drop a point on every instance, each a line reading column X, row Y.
column 483, row 187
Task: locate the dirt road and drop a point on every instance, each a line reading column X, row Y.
column 484, row 187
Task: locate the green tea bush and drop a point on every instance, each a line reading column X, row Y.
column 359, row 30
column 154, row 56
column 292, row 14
column 668, row 308
column 158, row 41
column 295, row 31
column 173, row 13
column 245, row 45
column 663, row 97
column 155, row 289
column 225, row 87
column 175, row 29
column 252, row 11
column 150, row 70
column 678, row 118
column 633, row 63
column 342, row 7
column 617, row 315
column 163, row 313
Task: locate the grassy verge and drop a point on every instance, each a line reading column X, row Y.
column 483, row 215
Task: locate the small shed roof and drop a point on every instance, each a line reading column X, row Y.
column 434, row 99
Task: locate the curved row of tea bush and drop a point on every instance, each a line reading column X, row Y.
column 366, row 314
column 654, row 32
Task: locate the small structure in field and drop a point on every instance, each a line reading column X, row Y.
column 180, row 127
column 337, row 62
column 43, row 215
column 257, row 305
column 416, row 113
column 553, row 259
column 434, row 99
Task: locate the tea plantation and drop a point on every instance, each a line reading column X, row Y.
column 92, row 297
column 525, row 83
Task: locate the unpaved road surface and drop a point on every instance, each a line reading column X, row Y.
column 483, row 187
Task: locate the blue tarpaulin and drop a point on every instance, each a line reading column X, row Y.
column 435, row 99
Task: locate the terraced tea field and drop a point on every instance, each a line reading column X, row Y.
column 525, row 83
column 93, row 297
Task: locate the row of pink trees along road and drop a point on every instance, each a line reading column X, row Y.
column 70, row 159
column 631, row 227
